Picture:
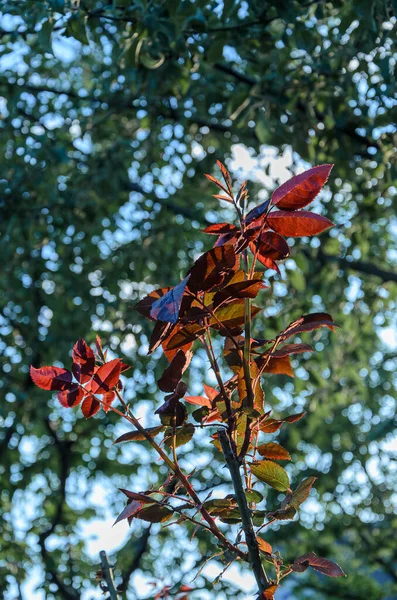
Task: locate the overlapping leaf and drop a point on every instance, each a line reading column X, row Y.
column 51, row 378
column 300, row 190
column 298, row 224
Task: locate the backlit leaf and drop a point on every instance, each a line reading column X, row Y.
column 269, row 593
column 302, row 492
column 210, row 268
column 298, row 224
column 107, row 400
column 51, row 378
column 173, row 373
column 155, row 514
column 90, row 406
column 322, row 565
column 264, row 546
column 83, row 361
column 137, row 436
column 219, row 228
column 106, row 377
column 300, row 190
column 273, row 451
column 308, row 323
column 72, row 397
column 130, row 511
column 183, row 435
column 272, row 474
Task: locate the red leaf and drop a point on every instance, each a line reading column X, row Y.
column 300, row 190
column 256, row 212
column 280, row 366
column 108, row 399
column 106, row 377
column 83, row 361
column 294, row 418
column 130, row 511
column 90, row 406
column 323, row 565
column 292, row 349
column 219, row 228
column 297, row 224
column 308, row 323
column 271, row 245
column 173, row 373
column 71, row 398
column 211, row 268
column 220, row 186
column 51, row 378
column 198, row 401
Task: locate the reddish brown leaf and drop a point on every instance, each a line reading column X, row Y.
column 137, row 436
column 289, row 349
column 161, row 332
column 270, row 425
column 308, row 323
column 295, row 418
column 298, row 224
column 71, row 398
column 130, row 511
column 51, row 378
column 106, row 377
column 272, row 245
column 273, row 451
column 184, row 336
column 90, row 406
column 143, row 498
column 107, row 399
column 280, row 366
column 219, row 228
column 226, row 176
column 256, row 212
column 323, row 565
column 220, row 186
column 300, row 190
column 269, row 593
column 302, row 492
column 173, row 373
column 83, row 361
column 264, row 546
column 211, row 268
column 240, row 289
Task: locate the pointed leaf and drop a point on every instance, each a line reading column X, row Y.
column 90, row 406
column 302, row 492
column 155, row 514
column 322, row 565
column 136, row 436
column 173, row 373
column 300, row 190
column 106, row 377
column 220, row 228
column 298, row 224
column 264, row 546
column 308, row 323
column 273, row 451
column 71, row 398
column 83, row 361
column 210, row 268
column 108, row 399
column 167, row 308
column 130, row 511
column 51, row 378
column 256, row 212
column 272, row 474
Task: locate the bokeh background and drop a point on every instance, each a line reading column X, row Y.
column 111, row 111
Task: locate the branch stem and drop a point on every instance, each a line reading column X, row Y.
column 107, row 574
column 245, row 513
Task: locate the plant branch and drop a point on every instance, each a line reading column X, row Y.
column 245, row 513
column 107, row 575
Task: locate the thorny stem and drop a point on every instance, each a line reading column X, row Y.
column 107, row 575
column 215, row 367
column 245, row 513
column 182, row 478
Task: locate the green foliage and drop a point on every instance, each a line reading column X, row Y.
column 103, row 148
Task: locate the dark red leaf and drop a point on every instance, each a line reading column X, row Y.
column 211, row 268
column 294, row 418
column 51, row 378
column 308, row 323
column 184, row 336
column 90, row 406
column 256, row 212
column 167, row 308
column 323, row 565
column 106, row 377
column 226, row 176
column 143, row 498
column 300, row 190
column 108, row 399
column 298, row 224
column 240, row 289
column 271, row 245
column 219, row 228
column 83, row 361
column 72, row 397
column 161, row 332
column 292, row 349
column 173, row 373
column 220, row 186
column 130, row 511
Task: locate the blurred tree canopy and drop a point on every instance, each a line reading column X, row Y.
column 111, row 111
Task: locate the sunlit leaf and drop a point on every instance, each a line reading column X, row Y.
column 298, row 224
column 137, row 436
column 322, row 565
column 90, row 406
column 271, row 473
column 51, row 378
column 72, row 397
column 83, row 361
column 302, row 492
column 173, row 373
column 300, row 190
column 273, row 451
column 106, row 377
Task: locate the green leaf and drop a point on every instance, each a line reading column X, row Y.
column 302, row 492
column 272, row 474
column 137, row 436
column 183, row 435
column 253, row 496
column 155, row 514
column 76, row 28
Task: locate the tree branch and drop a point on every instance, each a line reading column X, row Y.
column 107, row 575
